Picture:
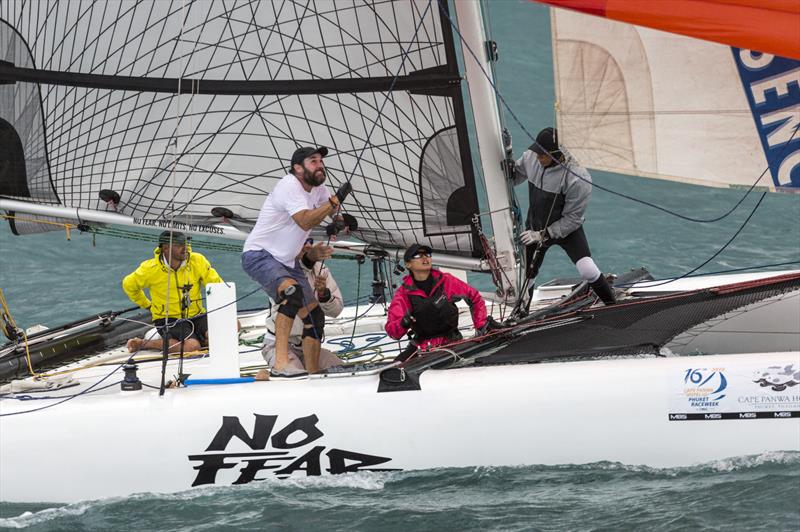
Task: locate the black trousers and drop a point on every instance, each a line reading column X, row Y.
column 197, row 329
column 575, row 244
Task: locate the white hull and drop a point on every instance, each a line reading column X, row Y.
column 630, row 410
column 559, row 413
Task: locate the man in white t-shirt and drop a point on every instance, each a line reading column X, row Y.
column 299, row 202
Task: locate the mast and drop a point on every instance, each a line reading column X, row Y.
column 485, row 114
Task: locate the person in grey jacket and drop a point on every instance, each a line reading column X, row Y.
column 559, row 189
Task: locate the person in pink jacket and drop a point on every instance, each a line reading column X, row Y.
column 426, row 304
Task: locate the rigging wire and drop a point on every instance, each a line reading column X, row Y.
column 606, row 189
column 518, row 121
column 387, row 98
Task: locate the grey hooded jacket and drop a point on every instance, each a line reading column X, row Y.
column 559, row 194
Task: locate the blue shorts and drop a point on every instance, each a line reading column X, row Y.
column 269, row 272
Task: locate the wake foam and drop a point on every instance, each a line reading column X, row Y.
column 27, row 519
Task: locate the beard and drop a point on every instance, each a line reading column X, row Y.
column 177, row 255
column 314, row 179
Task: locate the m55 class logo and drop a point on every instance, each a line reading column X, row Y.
column 704, row 388
column 281, row 454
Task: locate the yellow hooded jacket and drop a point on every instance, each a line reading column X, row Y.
column 153, row 273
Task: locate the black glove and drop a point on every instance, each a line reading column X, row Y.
column 407, row 320
column 345, row 221
column 490, row 325
column 350, row 221
column 344, row 190
column 334, row 228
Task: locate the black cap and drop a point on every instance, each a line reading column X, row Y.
column 413, row 249
column 300, row 154
column 546, row 142
column 177, row 238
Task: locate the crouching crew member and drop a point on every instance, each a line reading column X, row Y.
column 174, row 278
column 425, row 303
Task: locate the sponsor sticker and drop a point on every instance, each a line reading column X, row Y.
column 295, row 449
column 742, row 392
column 772, row 86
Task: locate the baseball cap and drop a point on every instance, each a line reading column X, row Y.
column 177, row 238
column 300, row 154
column 413, row 249
column 546, row 142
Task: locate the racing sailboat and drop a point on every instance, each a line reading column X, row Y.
column 381, row 83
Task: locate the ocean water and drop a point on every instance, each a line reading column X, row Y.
column 746, row 493
column 50, row 280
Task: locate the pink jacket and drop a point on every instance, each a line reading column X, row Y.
column 452, row 287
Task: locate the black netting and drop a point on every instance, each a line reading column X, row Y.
column 230, row 150
column 639, row 326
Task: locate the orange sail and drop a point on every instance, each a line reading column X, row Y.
column 769, row 26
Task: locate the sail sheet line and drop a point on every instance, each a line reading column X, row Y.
column 720, row 250
column 607, row 189
column 379, row 116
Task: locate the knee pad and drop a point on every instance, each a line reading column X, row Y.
column 292, row 301
column 314, row 324
column 587, row 269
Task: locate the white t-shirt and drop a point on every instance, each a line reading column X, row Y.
column 275, row 230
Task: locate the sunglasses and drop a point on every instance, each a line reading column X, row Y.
column 421, row 254
column 310, row 241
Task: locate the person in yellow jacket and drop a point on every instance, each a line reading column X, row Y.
column 175, row 267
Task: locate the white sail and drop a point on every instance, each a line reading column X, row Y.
column 644, row 102
column 376, row 82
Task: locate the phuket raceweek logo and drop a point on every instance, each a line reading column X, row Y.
column 701, row 391
column 281, row 454
column 748, row 392
column 704, row 388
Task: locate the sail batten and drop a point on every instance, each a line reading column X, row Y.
column 426, row 81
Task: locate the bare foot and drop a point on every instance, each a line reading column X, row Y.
column 262, row 375
column 134, row 344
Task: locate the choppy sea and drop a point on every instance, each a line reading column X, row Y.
column 751, row 493
column 50, row 280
